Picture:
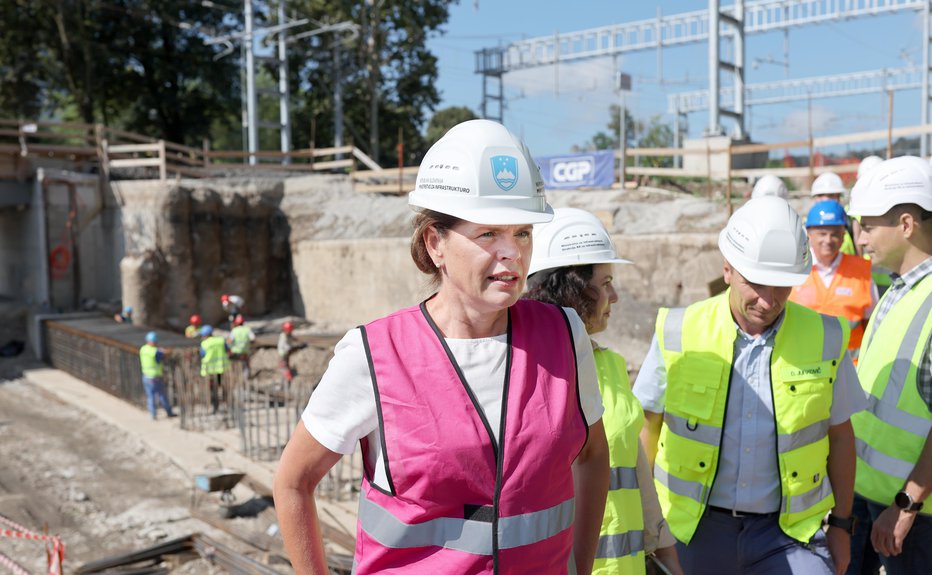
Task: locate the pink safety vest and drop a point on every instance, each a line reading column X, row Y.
column 457, row 501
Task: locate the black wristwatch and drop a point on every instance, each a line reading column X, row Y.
column 844, row 523
column 905, row 501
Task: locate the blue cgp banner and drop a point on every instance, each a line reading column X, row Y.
column 586, row 170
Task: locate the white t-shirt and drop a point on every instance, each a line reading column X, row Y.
column 342, row 409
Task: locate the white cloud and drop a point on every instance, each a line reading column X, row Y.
column 796, row 123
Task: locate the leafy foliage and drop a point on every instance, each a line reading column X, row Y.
column 143, row 65
column 445, row 119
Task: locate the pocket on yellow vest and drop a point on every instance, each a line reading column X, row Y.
column 698, row 383
column 685, row 458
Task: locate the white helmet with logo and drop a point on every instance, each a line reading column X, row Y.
column 482, row 173
column 573, row 238
column 766, row 243
column 769, row 185
column 903, row 180
column 867, row 164
column 828, row 183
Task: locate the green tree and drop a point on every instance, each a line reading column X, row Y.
column 136, row 64
column 609, row 140
column 445, row 119
column 387, row 74
column 657, row 135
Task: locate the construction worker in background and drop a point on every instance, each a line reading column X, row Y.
column 748, row 397
column 152, row 362
column 125, row 316
column 839, row 284
column 287, row 343
column 240, row 341
column 769, row 185
column 828, row 186
column 894, row 435
column 571, row 266
column 214, row 362
column 194, row 327
column 233, row 305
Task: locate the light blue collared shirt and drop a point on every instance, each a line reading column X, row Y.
column 748, row 477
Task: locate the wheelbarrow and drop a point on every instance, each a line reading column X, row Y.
column 222, row 480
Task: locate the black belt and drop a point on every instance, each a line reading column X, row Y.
column 735, row 513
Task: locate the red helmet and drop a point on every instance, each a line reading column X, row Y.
column 224, row 298
column 195, row 320
column 238, row 320
column 287, row 327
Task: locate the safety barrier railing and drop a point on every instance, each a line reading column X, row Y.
column 264, row 409
column 146, row 157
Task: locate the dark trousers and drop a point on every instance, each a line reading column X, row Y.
column 916, row 557
column 751, row 545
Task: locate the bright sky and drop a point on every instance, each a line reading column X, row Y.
column 554, row 109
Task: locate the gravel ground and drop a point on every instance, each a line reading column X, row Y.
column 103, row 491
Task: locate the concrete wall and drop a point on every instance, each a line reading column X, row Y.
column 189, row 241
column 343, row 283
column 29, row 231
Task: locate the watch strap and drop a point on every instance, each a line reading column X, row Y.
column 844, row 523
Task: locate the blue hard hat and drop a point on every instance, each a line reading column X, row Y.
column 826, row 213
column 152, row 337
column 207, row 331
column 128, row 309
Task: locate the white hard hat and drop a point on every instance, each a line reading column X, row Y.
column 573, row 238
column 482, row 173
column 867, row 164
column 769, row 185
column 766, row 243
column 903, row 180
column 828, row 183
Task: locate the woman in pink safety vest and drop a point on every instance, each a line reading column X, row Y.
column 478, row 415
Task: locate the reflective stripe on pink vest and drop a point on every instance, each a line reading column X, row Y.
column 454, row 503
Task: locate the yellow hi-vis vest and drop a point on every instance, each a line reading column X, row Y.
column 891, row 433
column 621, row 538
column 697, row 344
column 240, row 336
column 150, row 367
column 215, row 360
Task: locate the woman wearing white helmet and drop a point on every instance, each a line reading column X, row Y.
column 476, row 412
column 572, row 267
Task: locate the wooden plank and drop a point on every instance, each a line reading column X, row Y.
column 668, row 172
column 133, row 148
column 135, row 162
column 260, row 154
column 362, row 175
column 331, row 165
column 317, row 152
column 755, row 148
column 668, row 151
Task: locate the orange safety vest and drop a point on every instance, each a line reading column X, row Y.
column 848, row 295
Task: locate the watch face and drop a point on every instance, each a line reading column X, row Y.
column 903, row 500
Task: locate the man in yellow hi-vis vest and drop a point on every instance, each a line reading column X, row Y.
column 894, row 463
column 215, row 360
column 152, row 363
column 747, row 402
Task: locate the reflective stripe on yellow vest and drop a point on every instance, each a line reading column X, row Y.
column 215, row 360
column 240, row 336
column 621, row 538
column 697, row 344
column 150, row 367
column 891, row 433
